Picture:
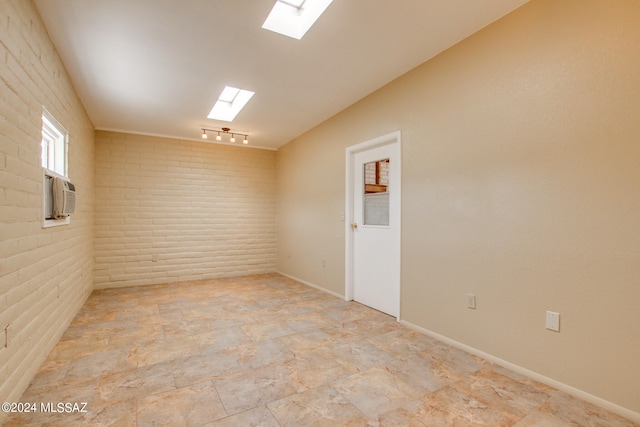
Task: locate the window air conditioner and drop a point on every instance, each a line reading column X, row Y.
column 64, row 198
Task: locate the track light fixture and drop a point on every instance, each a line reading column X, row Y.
column 223, row 131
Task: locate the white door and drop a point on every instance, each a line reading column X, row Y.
column 375, row 226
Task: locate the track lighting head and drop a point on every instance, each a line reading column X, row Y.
column 222, row 131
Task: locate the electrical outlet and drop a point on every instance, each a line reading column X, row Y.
column 154, row 258
column 553, row 321
column 471, row 301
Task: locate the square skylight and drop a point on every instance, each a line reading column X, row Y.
column 293, row 18
column 229, row 104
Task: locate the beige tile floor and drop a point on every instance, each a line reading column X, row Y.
column 267, row 351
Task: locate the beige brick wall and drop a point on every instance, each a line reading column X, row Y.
column 370, row 173
column 201, row 210
column 45, row 274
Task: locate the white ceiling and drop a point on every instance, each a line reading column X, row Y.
column 157, row 67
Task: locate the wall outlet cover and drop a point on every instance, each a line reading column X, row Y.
column 471, row 301
column 553, row 321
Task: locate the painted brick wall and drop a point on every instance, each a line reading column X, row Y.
column 370, row 173
column 45, row 274
column 201, row 210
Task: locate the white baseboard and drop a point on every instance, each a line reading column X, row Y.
column 605, row 404
column 610, row 406
column 304, row 282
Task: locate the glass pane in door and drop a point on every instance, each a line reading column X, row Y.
column 376, row 193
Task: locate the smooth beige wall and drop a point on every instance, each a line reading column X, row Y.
column 200, row 210
column 520, row 184
column 45, row 274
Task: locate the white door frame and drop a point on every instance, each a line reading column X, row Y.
column 389, row 139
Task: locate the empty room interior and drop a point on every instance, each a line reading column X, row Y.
column 316, row 212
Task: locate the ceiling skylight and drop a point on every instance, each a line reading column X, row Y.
column 293, row 18
column 229, row 104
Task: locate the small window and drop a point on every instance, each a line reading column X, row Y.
column 54, row 145
column 54, row 163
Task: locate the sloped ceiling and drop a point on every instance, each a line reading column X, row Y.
column 157, row 66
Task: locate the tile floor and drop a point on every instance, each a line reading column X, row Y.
column 267, row 351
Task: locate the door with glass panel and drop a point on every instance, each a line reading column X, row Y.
column 376, row 228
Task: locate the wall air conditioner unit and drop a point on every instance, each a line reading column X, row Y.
column 63, row 197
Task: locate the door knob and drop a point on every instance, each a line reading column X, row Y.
column 354, row 226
